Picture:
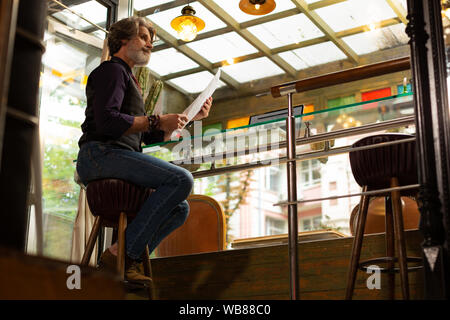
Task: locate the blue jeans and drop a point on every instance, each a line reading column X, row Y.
column 165, row 209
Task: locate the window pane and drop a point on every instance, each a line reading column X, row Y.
column 194, row 83
column 68, row 60
column 252, row 69
column 313, row 55
column 355, row 13
column 170, row 61
column 293, row 29
column 90, row 10
column 378, row 39
column 223, row 47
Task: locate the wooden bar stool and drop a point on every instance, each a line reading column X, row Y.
column 114, row 203
column 380, row 168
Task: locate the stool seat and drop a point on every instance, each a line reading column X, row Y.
column 109, row 197
column 375, row 167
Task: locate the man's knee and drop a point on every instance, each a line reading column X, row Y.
column 187, row 180
column 183, row 212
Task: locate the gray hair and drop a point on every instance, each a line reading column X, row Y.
column 126, row 29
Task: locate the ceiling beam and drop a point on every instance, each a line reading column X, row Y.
column 326, row 29
column 171, row 40
column 323, row 3
column 163, row 7
column 289, row 47
column 215, row 65
column 399, row 10
column 247, row 35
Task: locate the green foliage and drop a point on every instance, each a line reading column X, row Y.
column 60, row 192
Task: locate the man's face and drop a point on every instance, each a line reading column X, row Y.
column 139, row 48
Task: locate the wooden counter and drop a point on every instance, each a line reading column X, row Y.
column 263, row 273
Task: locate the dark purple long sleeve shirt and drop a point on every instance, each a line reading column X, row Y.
column 113, row 100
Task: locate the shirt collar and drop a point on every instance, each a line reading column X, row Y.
column 119, row 60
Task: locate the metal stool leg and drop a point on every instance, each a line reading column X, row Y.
column 390, row 245
column 121, row 245
column 91, row 242
column 357, row 245
column 400, row 239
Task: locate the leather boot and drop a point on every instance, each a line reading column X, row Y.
column 108, row 262
column 132, row 272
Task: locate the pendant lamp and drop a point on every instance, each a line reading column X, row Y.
column 257, row 7
column 187, row 25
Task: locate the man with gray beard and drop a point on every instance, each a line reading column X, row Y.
column 111, row 145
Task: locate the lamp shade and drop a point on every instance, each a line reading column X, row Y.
column 257, row 7
column 187, row 25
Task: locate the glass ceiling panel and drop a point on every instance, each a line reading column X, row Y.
column 378, row 39
column 285, row 31
column 163, row 18
column 169, row 61
column 144, row 4
column 232, row 8
column 355, row 13
column 404, row 4
column 91, row 10
column 310, row 56
column 194, row 83
column 223, row 47
column 252, row 69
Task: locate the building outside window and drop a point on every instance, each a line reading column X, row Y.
column 275, row 226
column 310, row 172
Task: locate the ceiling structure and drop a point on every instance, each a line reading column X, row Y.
column 299, row 39
column 257, row 52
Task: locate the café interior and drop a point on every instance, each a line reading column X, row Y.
column 321, row 173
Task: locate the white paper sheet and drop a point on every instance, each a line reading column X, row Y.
column 197, row 104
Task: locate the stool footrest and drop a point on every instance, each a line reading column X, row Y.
column 364, row 265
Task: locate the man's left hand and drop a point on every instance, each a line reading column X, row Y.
column 204, row 111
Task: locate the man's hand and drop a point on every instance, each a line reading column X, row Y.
column 204, row 111
column 170, row 122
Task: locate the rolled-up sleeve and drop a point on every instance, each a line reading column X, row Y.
column 110, row 85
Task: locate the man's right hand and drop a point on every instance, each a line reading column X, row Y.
column 171, row 122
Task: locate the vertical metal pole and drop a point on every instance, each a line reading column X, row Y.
column 292, row 197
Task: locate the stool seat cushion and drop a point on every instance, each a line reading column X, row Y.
column 109, row 197
column 375, row 167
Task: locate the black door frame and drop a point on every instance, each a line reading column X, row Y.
column 428, row 63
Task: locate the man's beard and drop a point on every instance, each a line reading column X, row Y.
column 138, row 56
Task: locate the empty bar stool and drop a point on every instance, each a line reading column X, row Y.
column 380, row 168
column 115, row 203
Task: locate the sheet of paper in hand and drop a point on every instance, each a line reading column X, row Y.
column 197, row 104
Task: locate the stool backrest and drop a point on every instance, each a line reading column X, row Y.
column 203, row 231
column 375, row 167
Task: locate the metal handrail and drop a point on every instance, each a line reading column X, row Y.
column 299, row 157
column 300, row 141
column 367, row 193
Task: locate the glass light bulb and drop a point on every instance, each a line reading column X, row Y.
column 257, row 6
column 187, row 31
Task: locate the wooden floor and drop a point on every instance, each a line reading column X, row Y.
column 263, row 273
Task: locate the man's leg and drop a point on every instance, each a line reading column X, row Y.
column 172, row 186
